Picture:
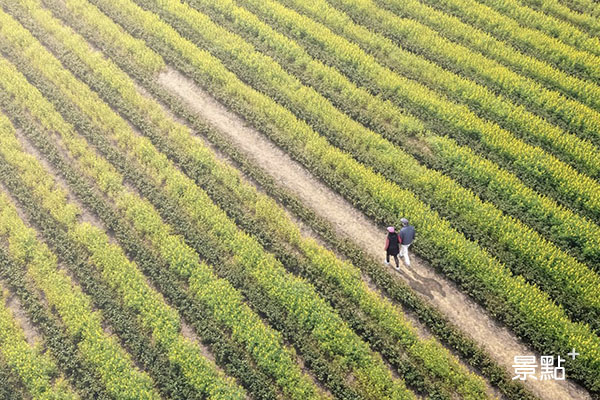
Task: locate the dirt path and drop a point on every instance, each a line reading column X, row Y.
column 501, row 344
column 31, row 332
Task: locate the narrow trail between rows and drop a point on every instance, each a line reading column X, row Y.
column 460, row 309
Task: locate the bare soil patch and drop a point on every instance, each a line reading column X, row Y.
column 32, row 334
column 499, row 341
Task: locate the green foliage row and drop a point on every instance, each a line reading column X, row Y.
column 554, row 221
column 438, row 36
column 462, row 260
column 37, row 371
column 480, row 15
column 98, row 112
column 569, row 282
column 573, row 233
column 122, row 275
column 246, row 326
column 381, row 275
column 582, row 13
column 171, row 383
column 63, row 347
column 581, row 154
column 540, row 167
column 10, row 385
column 551, row 26
column 472, row 353
column 122, row 380
column 227, row 352
column 356, row 290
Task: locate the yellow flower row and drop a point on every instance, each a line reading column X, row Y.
column 551, row 26
column 437, row 189
column 120, row 377
column 35, row 369
column 554, row 270
column 572, row 60
column 300, row 299
column 120, row 273
column 481, row 61
column 583, row 13
column 535, row 309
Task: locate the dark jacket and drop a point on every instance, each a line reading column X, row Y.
column 407, row 234
column 392, row 243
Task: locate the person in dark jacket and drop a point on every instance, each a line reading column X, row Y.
column 407, row 236
column 392, row 246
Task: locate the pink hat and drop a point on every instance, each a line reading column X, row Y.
column 390, row 229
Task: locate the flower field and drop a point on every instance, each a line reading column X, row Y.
column 194, row 195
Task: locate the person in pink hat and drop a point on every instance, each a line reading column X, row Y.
column 392, row 246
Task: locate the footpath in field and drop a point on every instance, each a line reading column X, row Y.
column 441, row 292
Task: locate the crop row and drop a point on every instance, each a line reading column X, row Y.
column 382, row 276
column 229, row 353
column 84, row 20
column 553, row 221
column 121, row 379
column 226, row 352
column 10, row 385
column 582, row 14
column 123, row 320
column 538, row 76
column 434, row 34
column 369, row 302
column 246, row 326
column 155, row 316
column 529, row 161
column 126, row 279
column 59, row 343
column 551, row 26
column 244, row 194
column 574, row 286
column 142, row 147
column 472, row 352
column 130, row 284
column 481, row 100
column 37, row 371
column 484, row 17
column 573, row 233
column 110, row 180
column 449, row 250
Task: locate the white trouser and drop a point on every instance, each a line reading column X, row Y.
column 404, row 253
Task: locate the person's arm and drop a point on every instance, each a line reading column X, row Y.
column 399, row 239
column 387, row 243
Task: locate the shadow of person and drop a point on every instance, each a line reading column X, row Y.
column 421, row 284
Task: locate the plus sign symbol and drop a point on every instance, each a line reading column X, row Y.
column 573, row 354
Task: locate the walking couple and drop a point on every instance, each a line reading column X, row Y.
column 398, row 243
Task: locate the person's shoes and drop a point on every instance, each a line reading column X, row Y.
column 397, row 267
column 386, row 262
